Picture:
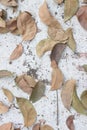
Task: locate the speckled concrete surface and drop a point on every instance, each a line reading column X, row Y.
column 46, row 107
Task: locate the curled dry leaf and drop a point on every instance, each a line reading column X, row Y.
column 17, row 52
column 44, row 46
column 71, row 41
column 57, row 79
column 11, row 3
column 77, row 104
column 85, row 67
column 26, row 83
column 3, row 108
column 46, row 127
column 8, row 94
column 38, row 91
column 3, row 14
column 47, row 18
column 70, row 123
column 2, row 23
column 7, row 126
column 57, row 52
column 82, row 16
column 59, row 1
column 57, row 34
column 36, row 126
column 28, row 111
column 5, row 73
column 71, row 7
column 84, row 98
column 67, row 93
column 26, row 26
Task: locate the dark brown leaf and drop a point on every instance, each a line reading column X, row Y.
column 70, row 123
column 57, row 52
column 82, row 16
column 36, row 126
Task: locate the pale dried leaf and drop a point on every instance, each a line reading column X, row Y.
column 67, row 93
column 57, row 79
column 57, row 34
column 59, row 1
column 5, row 73
column 84, row 98
column 7, row 126
column 82, row 16
column 3, row 108
column 26, row 26
column 77, row 104
column 57, row 51
column 47, row 18
column 12, row 3
column 70, row 123
column 71, row 41
column 28, row 111
column 46, row 127
column 8, row 94
column 26, row 83
column 38, row 92
column 2, row 23
column 71, row 6
column 36, row 126
column 17, row 52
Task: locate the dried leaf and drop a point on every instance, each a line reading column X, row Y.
column 57, row 34
column 8, row 94
column 70, row 123
column 28, row 111
column 57, row 79
column 17, row 129
column 57, row 52
column 11, row 3
column 47, row 18
column 3, row 108
column 77, row 104
column 67, row 93
column 17, row 52
column 82, row 16
column 84, row 98
column 5, row 73
column 26, row 83
column 71, row 41
column 44, row 46
column 36, row 126
column 59, row 1
column 46, row 127
column 85, row 1
column 71, row 7
column 7, row 126
column 26, row 26
column 85, row 67
column 4, row 30
column 3, row 14
column 38, row 92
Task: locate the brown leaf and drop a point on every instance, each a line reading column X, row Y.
column 70, row 9
column 11, row 3
column 17, row 129
column 47, row 18
column 36, row 127
column 85, row 1
column 59, row 1
column 57, row 52
column 17, row 52
column 71, row 41
column 28, row 111
column 8, row 94
column 67, row 93
column 46, row 127
column 26, row 83
column 5, row 73
column 82, row 16
column 2, row 23
column 26, row 26
column 7, row 126
column 57, row 34
column 3, row 108
column 70, row 123
column 57, row 79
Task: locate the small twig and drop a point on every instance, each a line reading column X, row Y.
column 57, row 108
